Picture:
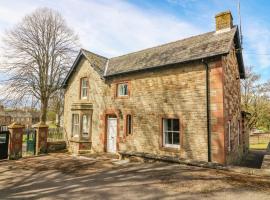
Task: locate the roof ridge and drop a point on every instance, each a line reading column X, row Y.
column 82, row 49
column 106, row 67
column 161, row 45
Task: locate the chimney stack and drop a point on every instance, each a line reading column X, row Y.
column 224, row 21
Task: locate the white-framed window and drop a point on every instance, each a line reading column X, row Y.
column 84, row 88
column 122, row 89
column 238, row 132
column 85, row 125
column 75, row 125
column 229, row 135
column 129, row 124
column 171, row 133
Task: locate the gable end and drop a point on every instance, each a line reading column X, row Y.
column 93, row 64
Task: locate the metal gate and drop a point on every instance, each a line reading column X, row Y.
column 29, row 143
column 4, row 139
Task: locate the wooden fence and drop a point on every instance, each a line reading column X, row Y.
column 259, row 138
column 56, row 135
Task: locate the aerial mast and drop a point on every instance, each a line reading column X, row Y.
column 240, row 23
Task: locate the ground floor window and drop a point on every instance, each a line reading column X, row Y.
column 75, row 124
column 85, row 126
column 80, row 125
column 128, row 125
column 171, row 133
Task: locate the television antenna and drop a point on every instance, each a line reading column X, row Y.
column 240, row 23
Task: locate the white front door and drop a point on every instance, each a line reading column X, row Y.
column 111, row 134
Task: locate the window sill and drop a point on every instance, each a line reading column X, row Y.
column 80, row 141
column 77, row 139
column 85, row 138
column 122, row 97
column 170, row 149
column 84, row 100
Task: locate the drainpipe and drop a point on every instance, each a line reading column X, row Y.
column 208, row 110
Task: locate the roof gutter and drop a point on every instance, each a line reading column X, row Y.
column 208, row 114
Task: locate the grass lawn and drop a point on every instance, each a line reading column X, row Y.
column 258, row 146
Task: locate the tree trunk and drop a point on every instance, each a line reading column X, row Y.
column 44, row 107
column 58, row 119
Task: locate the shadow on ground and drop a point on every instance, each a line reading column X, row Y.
column 61, row 176
column 254, row 159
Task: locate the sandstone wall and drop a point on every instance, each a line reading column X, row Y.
column 174, row 92
column 232, row 107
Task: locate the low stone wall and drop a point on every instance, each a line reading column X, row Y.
column 167, row 158
column 56, row 146
column 235, row 169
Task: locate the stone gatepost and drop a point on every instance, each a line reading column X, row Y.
column 41, row 137
column 15, row 141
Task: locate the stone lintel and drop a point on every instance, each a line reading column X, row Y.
column 82, row 106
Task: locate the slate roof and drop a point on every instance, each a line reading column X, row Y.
column 193, row 48
column 97, row 61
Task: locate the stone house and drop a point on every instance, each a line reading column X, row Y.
column 21, row 116
column 5, row 118
column 179, row 99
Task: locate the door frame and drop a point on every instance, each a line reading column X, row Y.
column 106, row 133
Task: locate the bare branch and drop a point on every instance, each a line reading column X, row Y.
column 38, row 53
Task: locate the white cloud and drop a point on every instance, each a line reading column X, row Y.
column 183, row 3
column 107, row 27
column 257, row 42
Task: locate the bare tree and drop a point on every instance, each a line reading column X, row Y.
column 56, row 104
column 38, row 53
column 255, row 98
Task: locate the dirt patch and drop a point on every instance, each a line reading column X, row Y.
column 64, row 163
column 62, row 176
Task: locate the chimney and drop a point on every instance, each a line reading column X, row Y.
column 224, row 21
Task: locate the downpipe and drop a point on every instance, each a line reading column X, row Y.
column 208, row 110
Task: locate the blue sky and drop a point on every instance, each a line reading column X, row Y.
column 114, row 27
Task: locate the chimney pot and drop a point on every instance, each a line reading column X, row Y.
column 224, row 21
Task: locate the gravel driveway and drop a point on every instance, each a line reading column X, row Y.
column 62, row 176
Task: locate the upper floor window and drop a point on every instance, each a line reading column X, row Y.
column 84, row 88
column 85, row 125
column 171, row 133
column 122, row 89
column 128, row 125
